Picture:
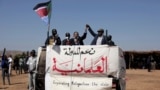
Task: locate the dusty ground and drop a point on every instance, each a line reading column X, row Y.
column 136, row 80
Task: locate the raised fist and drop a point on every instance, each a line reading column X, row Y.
column 87, row 26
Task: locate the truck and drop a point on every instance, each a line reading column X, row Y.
column 82, row 67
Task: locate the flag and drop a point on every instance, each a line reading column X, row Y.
column 44, row 11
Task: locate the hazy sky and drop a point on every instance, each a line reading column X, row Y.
column 133, row 24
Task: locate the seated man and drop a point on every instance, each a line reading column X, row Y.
column 100, row 38
column 54, row 39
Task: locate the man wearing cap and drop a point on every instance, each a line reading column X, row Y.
column 100, row 38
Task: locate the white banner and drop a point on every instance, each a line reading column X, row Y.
column 80, row 67
column 59, row 82
column 78, row 60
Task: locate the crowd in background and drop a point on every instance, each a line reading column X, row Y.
column 10, row 64
column 142, row 60
column 21, row 64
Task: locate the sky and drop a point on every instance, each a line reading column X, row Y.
column 133, row 24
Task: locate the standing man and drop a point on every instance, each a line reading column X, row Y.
column 25, row 62
column 54, row 39
column 10, row 60
column 100, row 38
column 149, row 59
column 0, row 61
column 16, row 64
column 110, row 42
column 5, row 69
column 67, row 40
column 78, row 40
column 32, row 69
column 21, row 64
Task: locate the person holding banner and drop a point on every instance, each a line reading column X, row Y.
column 54, row 39
column 100, row 38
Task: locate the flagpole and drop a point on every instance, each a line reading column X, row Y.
column 48, row 32
column 49, row 22
column 45, row 14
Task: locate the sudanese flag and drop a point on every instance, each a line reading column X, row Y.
column 44, row 11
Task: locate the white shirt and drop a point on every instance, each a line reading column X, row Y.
column 99, row 40
column 10, row 60
column 32, row 63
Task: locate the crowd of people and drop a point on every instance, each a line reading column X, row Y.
column 27, row 64
column 99, row 38
column 142, row 60
column 22, row 64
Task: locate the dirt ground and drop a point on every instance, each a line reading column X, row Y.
column 135, row 80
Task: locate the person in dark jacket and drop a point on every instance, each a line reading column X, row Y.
column 5, row 69
column 149, row 59
column 67, row 40
column 99, row 38
column 16, row 64
column 54, row 39
column 109, row 40
column 78, row 40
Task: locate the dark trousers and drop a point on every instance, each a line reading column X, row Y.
column 149, row 67
column 17, row 69
column 5, row 73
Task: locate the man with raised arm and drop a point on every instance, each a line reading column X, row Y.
column 99, row 38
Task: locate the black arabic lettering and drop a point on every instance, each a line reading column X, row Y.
column 78, row 51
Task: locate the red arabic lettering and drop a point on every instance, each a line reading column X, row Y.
column 97, row 67
column 100, row 69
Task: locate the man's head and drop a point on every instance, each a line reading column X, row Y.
column 100, row 32
column 33, row 53
column 54, row 32
column 67, row 35
column 76, row 34
column 10, row 55
column 109, row 37
column 4, row 57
